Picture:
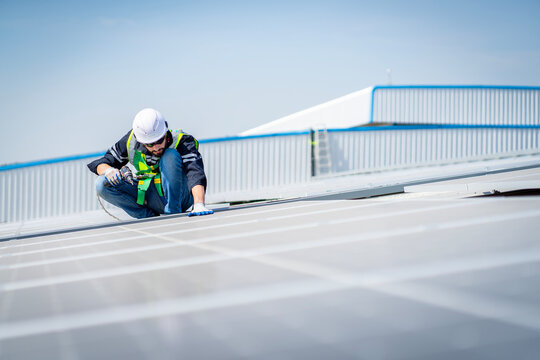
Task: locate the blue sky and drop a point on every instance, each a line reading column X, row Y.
column 74, row 73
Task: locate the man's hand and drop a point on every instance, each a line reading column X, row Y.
column 199, row 209
column 113, row 176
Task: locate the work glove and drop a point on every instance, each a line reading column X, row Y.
column 199, row 209
column 113, row 176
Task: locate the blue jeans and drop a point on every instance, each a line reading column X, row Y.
column 177, row 197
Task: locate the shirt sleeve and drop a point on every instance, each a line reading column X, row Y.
column 192, row 161
column 116, row 156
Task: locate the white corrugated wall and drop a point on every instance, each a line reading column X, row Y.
column 46, row 190
column 376, row 149
column 254, row 163
column 263, row 162
column 456, row 105
column 67, row 187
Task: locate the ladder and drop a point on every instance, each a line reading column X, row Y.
column 321, row 160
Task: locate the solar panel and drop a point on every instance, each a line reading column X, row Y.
column 381, row 279
column 499, row 182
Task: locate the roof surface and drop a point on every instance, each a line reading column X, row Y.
column 384, row 278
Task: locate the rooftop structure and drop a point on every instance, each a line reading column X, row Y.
column 404, row 240
column 416, row 127
column 436, row 274
column 417, row 104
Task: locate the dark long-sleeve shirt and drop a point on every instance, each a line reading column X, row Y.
column 117, row 156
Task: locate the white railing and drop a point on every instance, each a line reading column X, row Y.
column 56, row 188
column 66, row 186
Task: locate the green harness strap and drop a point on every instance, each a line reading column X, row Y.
column 149, row 173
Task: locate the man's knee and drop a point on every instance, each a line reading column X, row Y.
column 171, row 161
column 170, row 155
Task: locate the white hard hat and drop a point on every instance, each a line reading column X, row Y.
column 149, row 126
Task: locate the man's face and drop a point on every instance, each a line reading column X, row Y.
column 157, row 148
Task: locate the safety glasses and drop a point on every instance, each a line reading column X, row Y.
column 156, row 142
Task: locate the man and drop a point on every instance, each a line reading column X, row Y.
column 169, row 162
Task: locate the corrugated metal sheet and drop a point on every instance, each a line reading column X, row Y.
column 47, row 190
column 402, row 147
column 254, row 163
column 456, row 105
column 62, row 188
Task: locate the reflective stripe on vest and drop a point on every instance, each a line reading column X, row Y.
column 147, row 172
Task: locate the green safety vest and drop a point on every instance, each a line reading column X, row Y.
column 148, row 173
